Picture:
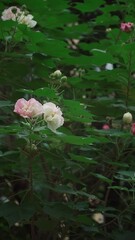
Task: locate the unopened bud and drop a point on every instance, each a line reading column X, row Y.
column 133, row 129
column 108, row 30
column 57, row 73
column 33, row 147
column 105, row 127
column 127, row 118
column 64, row 78
column 98, row 217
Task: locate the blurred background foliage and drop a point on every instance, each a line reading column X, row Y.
column 82, row 169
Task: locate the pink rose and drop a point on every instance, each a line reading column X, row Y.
column 10, row 13
column 105, row 127
column 126, row 27
column 133, row 128
column 28, row 109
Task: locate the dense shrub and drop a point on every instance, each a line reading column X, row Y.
column 67, row 119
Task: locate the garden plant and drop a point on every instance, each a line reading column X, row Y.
column 67, row 74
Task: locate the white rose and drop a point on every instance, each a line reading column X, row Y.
column 53, row 116
column 27, row 20
column 127, row 118
column 98, row 217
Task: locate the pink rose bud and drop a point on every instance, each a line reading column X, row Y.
column 133, row 128
column 126, row 27
column 28, row 109
column 105, row 127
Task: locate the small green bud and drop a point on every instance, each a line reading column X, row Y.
column 64, row 78
column 33, row 147
column 108, row 30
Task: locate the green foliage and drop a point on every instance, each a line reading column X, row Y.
column 52, row 183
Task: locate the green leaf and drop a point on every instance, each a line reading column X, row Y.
column 14, row 213
column 89, row 6
column 82, row 159
column 10, row 129
column 76, row 111
column 45, row 92
column 102, row 178
column 5, row 104
column 79, row 140
column 83, row 219
column 58, row 210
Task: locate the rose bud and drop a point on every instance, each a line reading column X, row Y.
column 98, row 217
column 105, row 127
column 133, row 129
column 127, row 118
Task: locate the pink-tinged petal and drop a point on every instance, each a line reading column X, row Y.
column 35, row 107
column 28, row 109
column 126, row 27
column 133, row 129
column 32, row 101
column 20, row 104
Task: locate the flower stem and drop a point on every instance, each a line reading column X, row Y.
column 31, row 157
column 128, row 80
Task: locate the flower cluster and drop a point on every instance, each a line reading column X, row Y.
column 32, row 108
column 58, row 75
column 126, row 27
column 14, row 13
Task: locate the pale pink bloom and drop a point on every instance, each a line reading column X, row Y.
column 28, row 109
column 10, row 13
column 27, row 20
column 126, row 27
column 105, row 127
column 52, row 116
column 133, row 128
